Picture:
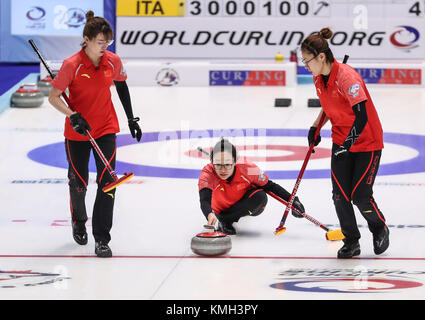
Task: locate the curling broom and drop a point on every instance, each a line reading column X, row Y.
column 281, row 228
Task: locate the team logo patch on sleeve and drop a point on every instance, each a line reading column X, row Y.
column 203, row 184
column 123, row 72
column 354, row 90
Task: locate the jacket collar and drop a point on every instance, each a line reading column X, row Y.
column 88, row 63
column 334, row 72
column 332, row 76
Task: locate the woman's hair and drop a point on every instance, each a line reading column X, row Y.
column 224, row 145
column 95, row 25
column 317, row 43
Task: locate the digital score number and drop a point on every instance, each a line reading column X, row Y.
column 303, row 8
column 257, row 8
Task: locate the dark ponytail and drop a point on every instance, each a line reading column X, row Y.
column 95, row 25
column 317, row 43
column 89, row 15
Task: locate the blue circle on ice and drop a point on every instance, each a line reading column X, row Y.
column 54, row 154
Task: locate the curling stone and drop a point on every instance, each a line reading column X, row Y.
column 44, row 85
column 211, row 243
column 27, row 96
column 314, row 103
column 282, row 102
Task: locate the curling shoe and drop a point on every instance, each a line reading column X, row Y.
column 226, row 228
column 79, row 234
column 349, row 250
column 381, row 240
column 102, row 250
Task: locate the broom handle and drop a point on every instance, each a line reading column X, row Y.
column 102, row 157
column 300, row 175
column 311, row 219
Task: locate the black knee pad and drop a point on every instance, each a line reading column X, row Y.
column 341, row 204
column 363, row 204
column 75, row 182
column 260, row 198
column 76, row 187
column 337, row 198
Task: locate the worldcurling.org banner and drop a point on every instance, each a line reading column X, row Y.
column 259, row 38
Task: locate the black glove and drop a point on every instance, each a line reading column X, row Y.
column 311, row 134
column 79, row 124
column 299, row 206
column 135, row 130
column 340, row 153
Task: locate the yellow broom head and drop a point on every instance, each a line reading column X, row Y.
column 113, row 185
column 279, row 231
column 335, row 235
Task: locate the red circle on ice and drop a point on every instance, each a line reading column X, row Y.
column 297, row 153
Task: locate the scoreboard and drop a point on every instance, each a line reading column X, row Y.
column 269, row 8
column 259, row 29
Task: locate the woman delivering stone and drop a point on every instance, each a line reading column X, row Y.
column 230, row 190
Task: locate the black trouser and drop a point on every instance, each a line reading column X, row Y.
column 352, row 182
column 78, row 155
column 252, row 203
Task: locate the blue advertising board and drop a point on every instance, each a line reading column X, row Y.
column 56, row 26
column 48, row 17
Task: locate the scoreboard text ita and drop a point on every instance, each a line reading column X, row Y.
column 269, row 8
